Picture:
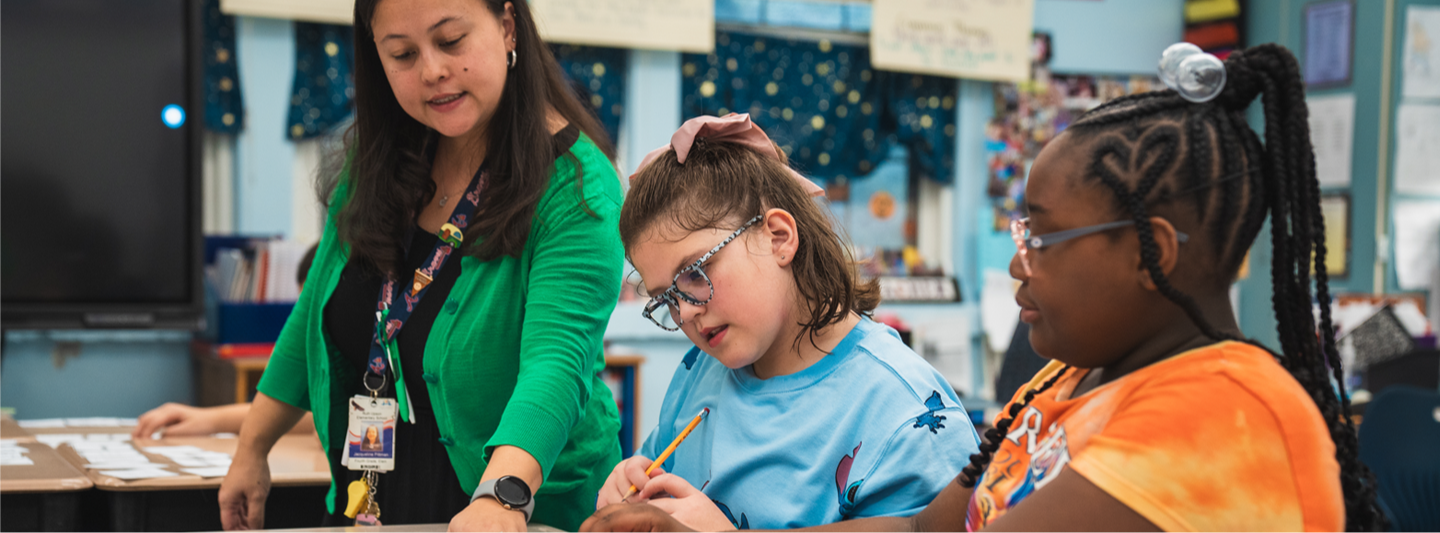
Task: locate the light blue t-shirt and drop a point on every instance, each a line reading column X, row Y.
column 869, row 430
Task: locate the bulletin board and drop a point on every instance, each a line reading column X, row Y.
column 977, row 39
column 684, row 25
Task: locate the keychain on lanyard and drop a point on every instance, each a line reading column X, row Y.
column 370, row 442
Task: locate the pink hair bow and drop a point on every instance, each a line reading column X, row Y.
column 733, row 128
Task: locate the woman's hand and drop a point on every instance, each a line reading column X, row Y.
column 486, row 514
column 629, row 472
column 243, row 493
column 632, row 517
column 175, row 420
column 686, row 503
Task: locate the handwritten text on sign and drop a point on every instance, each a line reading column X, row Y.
column 981, row 39
column 686, row 25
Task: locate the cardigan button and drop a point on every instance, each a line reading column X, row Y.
column 452, row 305
column 447, row 441
column 430, row 378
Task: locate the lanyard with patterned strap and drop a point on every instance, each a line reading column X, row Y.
column 395, row 306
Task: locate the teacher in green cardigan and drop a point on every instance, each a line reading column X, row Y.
column 466, row 140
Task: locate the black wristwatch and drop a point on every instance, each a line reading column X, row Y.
column 512, row 493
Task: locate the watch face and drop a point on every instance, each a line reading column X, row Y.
column 512, row 491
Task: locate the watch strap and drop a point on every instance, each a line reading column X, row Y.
column 487, row 488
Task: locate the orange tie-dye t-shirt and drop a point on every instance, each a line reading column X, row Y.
column 1219, row 438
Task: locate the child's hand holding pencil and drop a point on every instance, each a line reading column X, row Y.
column 631, row 475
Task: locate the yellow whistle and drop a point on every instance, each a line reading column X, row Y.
column 359, row 498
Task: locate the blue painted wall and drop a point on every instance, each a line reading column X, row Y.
column 1282, row 22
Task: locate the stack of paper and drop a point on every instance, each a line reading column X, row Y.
column 197, row 461
column 89, row 422
column 13, row 454
column 118, row 459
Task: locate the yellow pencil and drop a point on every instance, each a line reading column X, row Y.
column 669, row 450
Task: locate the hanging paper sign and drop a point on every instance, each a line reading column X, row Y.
column 980, row 39
column 685, row 25
column 325, row 11
column 919, row 289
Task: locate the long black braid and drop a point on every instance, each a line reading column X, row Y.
column 1143, row 134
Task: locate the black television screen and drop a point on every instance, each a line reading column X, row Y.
column 99, row 144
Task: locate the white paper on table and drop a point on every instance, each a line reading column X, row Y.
column 94, row 421
column 172, row 451
column 59, row 438
column 124, row 465
column 1332, row 131
column 138, row 473
column 999, row 314
column 211, row 471
column 42, row 423
column 1417, row 242
column 189, row 461
column 128, row 421
column 16, row 461
column 1422, row 52
column 1417, row 149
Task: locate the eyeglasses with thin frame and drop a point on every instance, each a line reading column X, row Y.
column 1024, row 241
column 688, row 285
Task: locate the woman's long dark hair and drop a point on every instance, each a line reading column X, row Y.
column 1207, row 155
column 389, row 172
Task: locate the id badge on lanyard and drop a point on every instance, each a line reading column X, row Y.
column 370, row 440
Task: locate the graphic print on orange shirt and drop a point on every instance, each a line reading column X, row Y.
column 1220, row 438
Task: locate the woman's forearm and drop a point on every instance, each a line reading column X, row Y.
column 267, row 421
column 513, row 461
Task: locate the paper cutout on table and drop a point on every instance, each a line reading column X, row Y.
column 1332, row 131
column 57, row 439
column 999, row 314
column 189, row 461
column 685, row 25
column 1328, row 33
column 42, row 423
column 124, row 465
column 1417, row 242
column 13, row 454
column 138, row 473
column 211, row 471
column 1422, row 52
column 94, row 421
column 1417, row 149
column 979, row 39
column 171, row 451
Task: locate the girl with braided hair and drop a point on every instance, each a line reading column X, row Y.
column 1155, row 413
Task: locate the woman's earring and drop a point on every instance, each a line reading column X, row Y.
column 513, row 59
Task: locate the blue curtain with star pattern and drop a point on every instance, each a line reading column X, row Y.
column 224, row 108
column 324, row 90
column 823, row 103
column 597, row 74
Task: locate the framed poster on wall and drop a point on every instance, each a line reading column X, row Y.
column 1329, row 43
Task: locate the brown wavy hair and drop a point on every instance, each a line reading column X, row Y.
column 389, row 172
column 723, row 184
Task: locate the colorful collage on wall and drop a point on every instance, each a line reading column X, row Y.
column 1215, row 26
column 1028, row 115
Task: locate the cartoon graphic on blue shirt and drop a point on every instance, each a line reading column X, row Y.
column 842, row 478
column 807, row 430
column 934, row 404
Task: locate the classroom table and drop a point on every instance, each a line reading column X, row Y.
column 11, row 430
column 44, row 496
column 299, row 473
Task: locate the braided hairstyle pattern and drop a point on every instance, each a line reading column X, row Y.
column 1232, row 181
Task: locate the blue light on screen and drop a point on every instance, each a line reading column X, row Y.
column 173, row 116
